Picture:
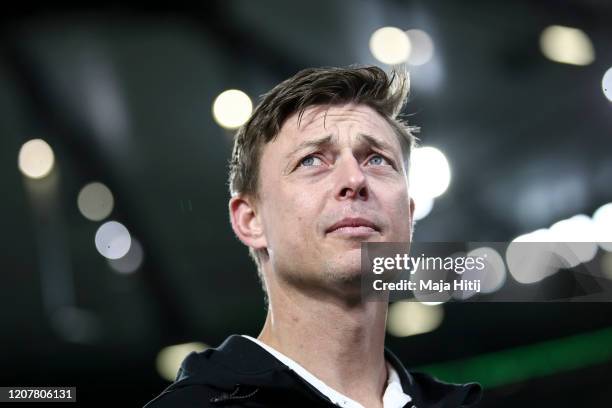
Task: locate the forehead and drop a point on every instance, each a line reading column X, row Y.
column 319, row 120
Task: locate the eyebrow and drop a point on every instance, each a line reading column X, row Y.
column 327, row 140
column 379, row 144
column 316, row 143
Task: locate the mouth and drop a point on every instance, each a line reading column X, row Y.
column 353, row 227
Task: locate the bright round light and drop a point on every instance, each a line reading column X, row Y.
column 422, row 47
column 95, row 201
column 232, row 108
column 36, row 159
column 576, row 240
column 606, row 84
column 113, row 240
column 131, row 261
column 411, row 318
column 422, row 206
column 531, row 257
column 429, row 172
column 390, row 45
column 540, row 235
column 169, row 359
column 493, row 276
column 567, row 45
column 602, row 223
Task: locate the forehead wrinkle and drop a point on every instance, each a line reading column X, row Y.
column 376, row 142
column 365, row 135
column 311, row 126
column 319, row 142
column 359, row 140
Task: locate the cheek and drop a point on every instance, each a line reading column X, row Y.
column 400, row 214
column 291, row 229
column 301, row 215
column 292, row 215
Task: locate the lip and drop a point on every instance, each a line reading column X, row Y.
column 353, row 226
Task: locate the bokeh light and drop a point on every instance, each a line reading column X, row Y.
column 113, row 240
column 429, row 173
column 606, row 84
column 169, row 359
column 576, row 238
column 531, row 257
column 36, row 159
column 493, row 276
column 232, row 108
column 95, row 201
column 130, row 262
column 567, row 45
column 412, row 318
column 602, row 224
column 390, row 45
column 422, row 47
column 422, row 206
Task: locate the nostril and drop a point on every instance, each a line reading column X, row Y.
column 348, row 192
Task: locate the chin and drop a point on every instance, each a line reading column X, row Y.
column 345, row 268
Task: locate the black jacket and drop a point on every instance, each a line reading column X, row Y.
column 240, row 373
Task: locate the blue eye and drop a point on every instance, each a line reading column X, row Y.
column 309, row 161
column 377, row 160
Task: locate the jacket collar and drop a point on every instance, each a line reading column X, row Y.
column 246, row 357
column 239, row 360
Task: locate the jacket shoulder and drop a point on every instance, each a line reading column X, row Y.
column 195, row 395
column 444, row 394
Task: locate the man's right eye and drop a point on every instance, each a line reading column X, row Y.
column 310, row 161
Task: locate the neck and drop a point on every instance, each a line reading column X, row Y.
column 341, row 344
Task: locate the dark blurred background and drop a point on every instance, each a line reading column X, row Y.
column 512, row 93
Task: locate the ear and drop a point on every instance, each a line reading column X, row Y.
column 246, row 222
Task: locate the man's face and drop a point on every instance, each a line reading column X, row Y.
column 326, row 186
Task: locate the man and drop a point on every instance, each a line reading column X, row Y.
column 320, row 167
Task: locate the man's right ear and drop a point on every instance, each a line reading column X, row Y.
column 246, row 222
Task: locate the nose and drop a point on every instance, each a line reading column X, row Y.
column 352, row 183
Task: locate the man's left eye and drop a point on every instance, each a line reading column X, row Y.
column 378, row 160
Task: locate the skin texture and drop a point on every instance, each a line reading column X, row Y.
column 340, row 161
